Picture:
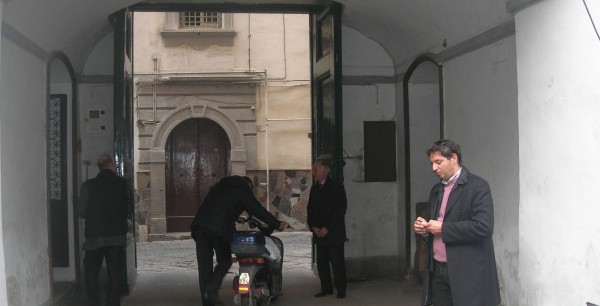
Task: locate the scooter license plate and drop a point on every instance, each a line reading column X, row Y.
column 244, row 279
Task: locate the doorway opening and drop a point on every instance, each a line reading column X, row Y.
column 423, row 98
column 217, row 94
column 62, row 178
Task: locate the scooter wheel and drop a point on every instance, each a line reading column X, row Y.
column 249, row 300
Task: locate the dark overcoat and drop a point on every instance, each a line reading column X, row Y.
column 327, row 208
column 105, row 205
column 224, row 203
column 467, row 233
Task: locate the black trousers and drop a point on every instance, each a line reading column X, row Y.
column 208, row 244
column 114, row 266
column 333, row 255
column 440, row 285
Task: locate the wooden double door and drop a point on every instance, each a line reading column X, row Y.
column 197, row 157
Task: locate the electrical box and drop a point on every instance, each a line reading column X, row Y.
column 95, row 119
column 380, row 151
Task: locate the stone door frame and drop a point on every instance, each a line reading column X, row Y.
column 155, row 157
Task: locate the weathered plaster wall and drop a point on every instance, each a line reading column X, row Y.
column 94, row 143
column 24, row 176
column 3, row 299
column 481, row 115
column 371, row 219
column 98, row 93
column 559, row 137
column 100, row 60
column 289, row 146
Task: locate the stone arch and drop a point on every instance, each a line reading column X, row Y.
column 203, row 110
column 155, row 156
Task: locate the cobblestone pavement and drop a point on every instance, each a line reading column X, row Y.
column 161, row 256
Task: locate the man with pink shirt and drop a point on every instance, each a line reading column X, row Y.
column 461, row 265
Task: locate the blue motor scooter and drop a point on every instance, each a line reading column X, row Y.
column 260, row 259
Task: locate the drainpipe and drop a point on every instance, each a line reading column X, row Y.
column 249, row 47
column 141, row 123
column 267, row 138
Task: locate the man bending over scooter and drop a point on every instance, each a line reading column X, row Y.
column 213, row 228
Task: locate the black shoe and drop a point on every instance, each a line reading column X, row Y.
column 341, row 295
column 323, row 293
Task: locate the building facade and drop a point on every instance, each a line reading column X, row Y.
column 220, row 94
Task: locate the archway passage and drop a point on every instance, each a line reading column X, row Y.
column 197, row 156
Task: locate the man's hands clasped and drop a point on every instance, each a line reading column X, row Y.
column 422, row 226
column 320, row 232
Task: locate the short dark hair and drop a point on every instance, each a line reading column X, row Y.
column 446, row 148
column 104, row 161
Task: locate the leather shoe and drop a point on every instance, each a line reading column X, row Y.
column 341, row 295
column 323, row 293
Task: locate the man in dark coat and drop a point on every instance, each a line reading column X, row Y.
column 104, row 204
column 213, row 228
column 461, row 265
column 326, row 212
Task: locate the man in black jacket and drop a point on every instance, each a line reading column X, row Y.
column 326, row 213
column 458, row 230
column 213, row 228
column 104, row 204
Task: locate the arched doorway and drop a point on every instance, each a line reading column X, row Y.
column 61, row 175
column 196, row 157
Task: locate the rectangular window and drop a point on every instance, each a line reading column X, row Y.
column 200, row 20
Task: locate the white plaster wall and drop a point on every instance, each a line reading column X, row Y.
column 93, row 143
column 100, row 60
column 362, row 56
column 371, row 219
column 23, row 176
column 3, row 298
column 424, row 113
column 559, row 137
column 481, row 115
column 424, row 130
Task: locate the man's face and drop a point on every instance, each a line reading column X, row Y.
column 113, row 167
column 319, row 172
column 443, row 167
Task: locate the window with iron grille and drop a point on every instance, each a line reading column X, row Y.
column 200, row 20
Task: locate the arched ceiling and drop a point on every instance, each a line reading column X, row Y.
column 405, row 28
